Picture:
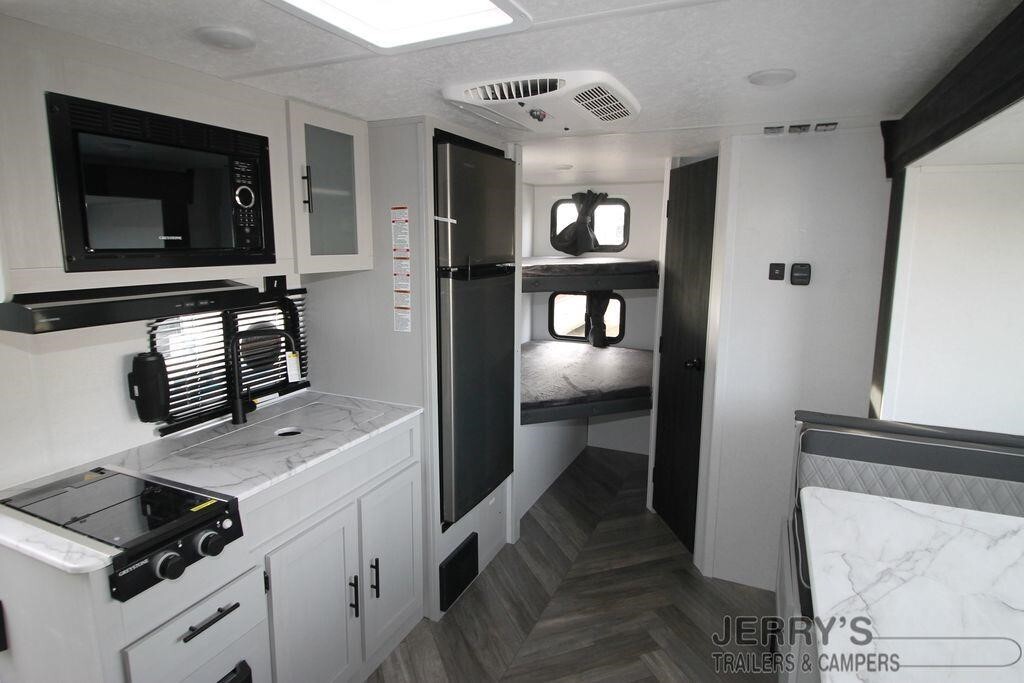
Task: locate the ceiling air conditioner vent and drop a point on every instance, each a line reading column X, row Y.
column 515, row 89
column 602, row 104
column 559, row 103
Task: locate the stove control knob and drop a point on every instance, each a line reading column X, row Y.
column 168, row 565
column 209, row 543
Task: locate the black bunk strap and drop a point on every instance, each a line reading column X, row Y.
column 578, row 238
column 597, row 306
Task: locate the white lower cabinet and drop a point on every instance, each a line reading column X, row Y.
column 344, row 588
column 313, row 599
column 389, row 529
column 220, row 638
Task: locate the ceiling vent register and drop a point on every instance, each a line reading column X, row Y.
column 602, row 104
column 520, row 89
column 568, row 102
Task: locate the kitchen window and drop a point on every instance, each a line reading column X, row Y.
column 195, row 351
column 567, row 317
column 611, row 222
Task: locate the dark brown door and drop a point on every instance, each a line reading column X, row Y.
column 691, row 227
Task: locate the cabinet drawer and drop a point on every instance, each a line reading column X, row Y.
column 184, row 644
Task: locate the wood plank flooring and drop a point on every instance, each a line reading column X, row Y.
column 596, row 589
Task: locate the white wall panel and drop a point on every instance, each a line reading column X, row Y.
column 773, row 347
column 955, row 356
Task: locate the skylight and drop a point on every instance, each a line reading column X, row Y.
column 396, row 23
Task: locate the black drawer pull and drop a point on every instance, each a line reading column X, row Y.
column 222, row 612
column 242, row 673
column 375, row 582
column 354, row 583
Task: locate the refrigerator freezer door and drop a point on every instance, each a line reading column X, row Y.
column 475, row 205
column 477, row 330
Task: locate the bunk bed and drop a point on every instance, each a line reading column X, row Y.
column 589, row 273
column 563, row 380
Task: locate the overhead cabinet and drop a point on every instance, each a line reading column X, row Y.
column 330, row 163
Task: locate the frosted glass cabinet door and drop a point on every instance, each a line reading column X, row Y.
column 330, row 170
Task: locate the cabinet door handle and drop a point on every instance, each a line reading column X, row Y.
column 308, row 201
column 375, row 580
column 354, row 583
column 222, row 612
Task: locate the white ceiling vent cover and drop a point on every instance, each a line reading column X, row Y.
column 572, row 101
column 602, row 104
column 514, row 90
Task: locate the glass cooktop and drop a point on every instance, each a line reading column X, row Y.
column 109, row 506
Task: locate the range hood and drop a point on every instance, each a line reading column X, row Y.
column 54, row 311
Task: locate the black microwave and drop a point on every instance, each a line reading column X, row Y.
column 141, row 190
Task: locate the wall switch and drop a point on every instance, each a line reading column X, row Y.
column 776, row 271
column 800, row 274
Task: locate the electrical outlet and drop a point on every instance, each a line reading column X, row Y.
column 776, row 271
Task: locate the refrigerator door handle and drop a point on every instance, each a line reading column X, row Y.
column 443, row 199
column 447, row 398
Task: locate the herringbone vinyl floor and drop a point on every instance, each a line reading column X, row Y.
column 596, row 589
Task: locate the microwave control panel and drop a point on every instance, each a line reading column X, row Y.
column 248, row 220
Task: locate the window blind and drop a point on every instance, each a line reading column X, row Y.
column 195, row 351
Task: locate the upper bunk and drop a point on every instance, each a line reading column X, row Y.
column 587, row 273
column 563, row 380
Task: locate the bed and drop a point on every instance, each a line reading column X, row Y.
column 580, row 274
column 563, row 380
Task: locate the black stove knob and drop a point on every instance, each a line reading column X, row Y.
column 168, row 565
column 209, row 543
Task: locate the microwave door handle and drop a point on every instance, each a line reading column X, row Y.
column 308, row 201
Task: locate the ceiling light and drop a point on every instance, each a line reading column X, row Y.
column 225, row 37
column 772, row 78
column 395, row 23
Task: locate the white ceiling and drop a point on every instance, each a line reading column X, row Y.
column 998, row 140
column 686, row 61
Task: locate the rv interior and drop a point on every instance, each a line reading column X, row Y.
column 532, row 340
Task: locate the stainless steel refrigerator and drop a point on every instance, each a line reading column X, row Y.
column 475, row 232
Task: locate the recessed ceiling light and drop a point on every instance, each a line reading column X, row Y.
column 772, row 78
column 392, row 24
column 225, row 37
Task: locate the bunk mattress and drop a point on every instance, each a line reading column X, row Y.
column 564, row 273
column 562, row 380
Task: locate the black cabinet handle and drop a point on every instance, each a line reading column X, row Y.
column 375, row 580
column 354, row 583
column 242, row 673
column 222, row 612
column 308, row 201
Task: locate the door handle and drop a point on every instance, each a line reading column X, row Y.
column 308, row 201
column 694, row 364
column 375, row 577
column 354, row 583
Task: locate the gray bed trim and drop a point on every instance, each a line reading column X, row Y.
column 932, row 455
column 529, row 416
column 966, row 436
column 584, row 283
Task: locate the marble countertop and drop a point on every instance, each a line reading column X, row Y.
column 237, row 460
column 940, row 588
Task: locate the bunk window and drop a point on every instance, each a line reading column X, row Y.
column 567, row 317
column 611, row 222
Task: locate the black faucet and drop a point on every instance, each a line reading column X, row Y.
column 239, row 403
